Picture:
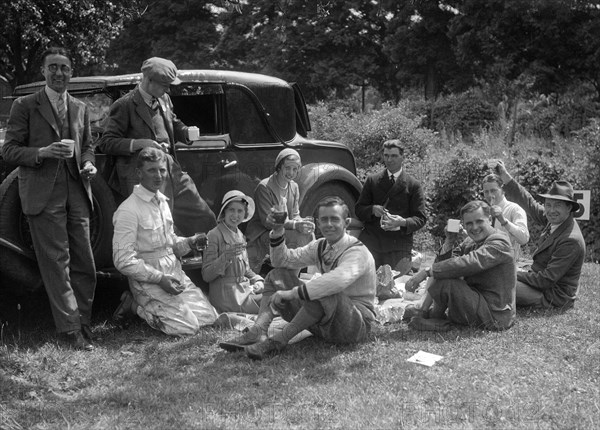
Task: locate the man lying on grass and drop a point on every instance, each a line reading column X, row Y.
column 337, row 306
column 473, row 284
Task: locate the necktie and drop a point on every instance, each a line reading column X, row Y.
column 392, row 180
column 328, row 255
column 61, row 109
column 154, row 104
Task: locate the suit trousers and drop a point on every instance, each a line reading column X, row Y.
column 466, row 305
column 61, row 239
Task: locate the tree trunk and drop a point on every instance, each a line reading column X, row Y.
column 431, row 90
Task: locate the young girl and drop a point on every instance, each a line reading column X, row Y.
column 233, row 286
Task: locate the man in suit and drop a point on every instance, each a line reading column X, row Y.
column 553, row 280
column 474, row 283
column 55, row 193
column 392, row 207
column 145, row 118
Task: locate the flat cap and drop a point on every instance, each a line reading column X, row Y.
column 161, row 70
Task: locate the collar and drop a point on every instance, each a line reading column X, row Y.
column 395, row 175
column 554, row 227
column 502, row 203
column 53, row 96
column 147, row 97
column 340, row 244
column 147, row 195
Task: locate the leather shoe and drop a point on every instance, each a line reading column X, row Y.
column 265, row 348
column 87, row 333
column 247, row 337
column 124, row 311
column 75, row 340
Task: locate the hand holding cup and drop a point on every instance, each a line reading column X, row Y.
column 199, row 241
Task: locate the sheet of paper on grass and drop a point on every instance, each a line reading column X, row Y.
column 425, row 358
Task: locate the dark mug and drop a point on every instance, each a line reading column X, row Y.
column 279, row 217
column 201, row 241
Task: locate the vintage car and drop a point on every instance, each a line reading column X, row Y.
column 244, row 119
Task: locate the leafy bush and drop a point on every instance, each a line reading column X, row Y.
column 464, row 114
column 454, row 184
column 546, row 118
column 589, row 137
column 365, row 132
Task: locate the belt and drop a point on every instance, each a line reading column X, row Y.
column 154, row 255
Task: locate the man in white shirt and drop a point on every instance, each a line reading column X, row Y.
column 508, row 216
column 146, row 250
column 337, row 306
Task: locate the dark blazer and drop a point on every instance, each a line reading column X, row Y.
column 406, row 198
column 33, row 125
column 129, row 119
column 558, row 259
column 488, row 267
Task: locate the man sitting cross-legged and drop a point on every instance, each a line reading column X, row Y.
column 337, row 306
column 475, row 284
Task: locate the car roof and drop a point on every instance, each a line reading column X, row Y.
column 87, row 83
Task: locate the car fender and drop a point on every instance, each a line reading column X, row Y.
column 315, row 175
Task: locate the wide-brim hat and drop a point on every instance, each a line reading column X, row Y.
column 238, row 196
column 562, row 190
column 161, row 70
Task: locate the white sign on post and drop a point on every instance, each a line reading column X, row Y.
column 584, row 197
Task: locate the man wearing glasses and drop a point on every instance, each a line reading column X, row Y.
column 49, row 138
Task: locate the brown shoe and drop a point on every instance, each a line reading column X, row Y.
column 263, row 349
column 123, row 313
column 238, row 343
column 76, row 340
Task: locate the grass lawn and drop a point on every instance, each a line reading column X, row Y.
column 543, row 373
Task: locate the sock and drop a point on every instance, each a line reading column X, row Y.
column 264, row 317
column 310, row 314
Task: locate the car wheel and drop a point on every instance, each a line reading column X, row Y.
column 312, row 198
column 15, row 228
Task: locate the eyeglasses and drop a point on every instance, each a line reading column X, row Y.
column 53, row 68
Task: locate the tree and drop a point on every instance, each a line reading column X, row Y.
column 325, row 46
column 183, row 31
column 555, row 42
column 84, row 27
column 416, row 40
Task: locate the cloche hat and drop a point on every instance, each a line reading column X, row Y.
column 237, row 196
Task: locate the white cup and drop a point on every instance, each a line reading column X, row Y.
column 453, row 225
column 71, row 144
column 193, row 133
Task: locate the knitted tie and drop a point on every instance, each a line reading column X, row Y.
column 61, row 109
